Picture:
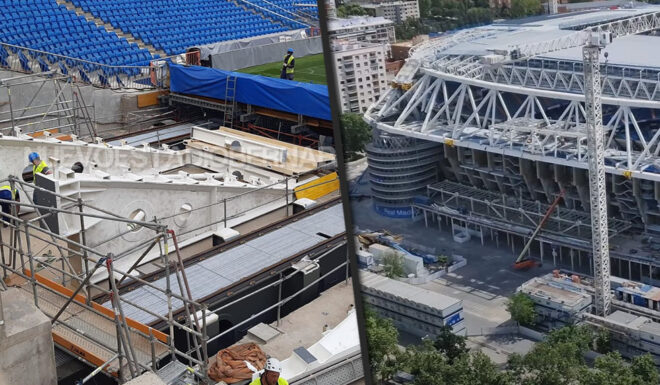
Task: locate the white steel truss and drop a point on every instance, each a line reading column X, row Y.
column 546, row 126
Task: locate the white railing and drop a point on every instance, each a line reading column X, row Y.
column 28, row 60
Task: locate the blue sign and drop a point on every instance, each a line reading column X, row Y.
column 394, row 212
column 456, row 318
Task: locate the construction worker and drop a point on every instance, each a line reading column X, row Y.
column 288, row 65
column 38, row 166
column 271, row 374
column 6, row 193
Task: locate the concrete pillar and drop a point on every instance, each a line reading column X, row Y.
column 27, row 354
column 629, row 270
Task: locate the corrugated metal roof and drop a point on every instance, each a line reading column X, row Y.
column 230, row 266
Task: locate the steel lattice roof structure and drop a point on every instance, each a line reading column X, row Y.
column 455, row 90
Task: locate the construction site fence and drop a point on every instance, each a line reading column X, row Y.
column 151, row 74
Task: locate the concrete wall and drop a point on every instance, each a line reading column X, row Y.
column 190, row 209
column 117, row 160
column 26, row 346
column 104, row 105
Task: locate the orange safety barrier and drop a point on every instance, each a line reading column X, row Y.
column 80, row 352
column 101, row 309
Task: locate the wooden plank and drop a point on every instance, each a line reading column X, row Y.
column 149, row 99
column 39, row 134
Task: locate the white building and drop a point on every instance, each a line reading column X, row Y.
column 413, row 309
column 397, row 11
column 362, row 29
column 558, row 300
column 360, row 69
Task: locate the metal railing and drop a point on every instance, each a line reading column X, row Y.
column 22, row 255
column 27, row 60
column 19, row 257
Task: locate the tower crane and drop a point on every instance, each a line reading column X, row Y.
column 592, row 40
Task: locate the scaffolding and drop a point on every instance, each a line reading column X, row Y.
column 67, row 114
column 56, row 271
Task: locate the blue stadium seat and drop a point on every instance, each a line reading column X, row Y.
column 168, row 25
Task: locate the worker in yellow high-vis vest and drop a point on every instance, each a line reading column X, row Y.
column 288, row 66
column 8, row 194
column 38, row 166
column 271, row 374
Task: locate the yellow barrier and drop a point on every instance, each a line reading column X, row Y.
column 318, row 187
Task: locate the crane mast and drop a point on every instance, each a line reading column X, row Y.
column 597, row 188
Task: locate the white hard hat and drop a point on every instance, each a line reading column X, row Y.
column 273, row 365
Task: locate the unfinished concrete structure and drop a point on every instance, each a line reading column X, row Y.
column 26, row 345
column 558, row 300
column 511, row 136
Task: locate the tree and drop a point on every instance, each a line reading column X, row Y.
column 393, row 265
column 522, row 8
column 410, row 28
column 581, row 336
column 424, row 8
column 382, row 340
column 427, row 364
column 450, row 344
column 643, row 368
column 551, row 363
column 350, row 9
column 521, row 308
column 475, row 16
column 603, row 342
column 357, row 134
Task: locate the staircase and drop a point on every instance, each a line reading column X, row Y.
column 256, row 12
column 110, row 28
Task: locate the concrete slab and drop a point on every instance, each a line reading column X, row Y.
column 306, row 325
column 27, row 353
column 263, row 332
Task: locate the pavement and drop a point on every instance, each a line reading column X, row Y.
column 483, row 285
column 305, row 326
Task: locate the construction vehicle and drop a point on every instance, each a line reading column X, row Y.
column 523, row 262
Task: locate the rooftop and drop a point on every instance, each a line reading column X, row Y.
column 630, row 50
column 357, row 21
column 566, row 293
column 231, row 266
column 406, row 291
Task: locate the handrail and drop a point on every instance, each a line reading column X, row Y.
column 29, row 60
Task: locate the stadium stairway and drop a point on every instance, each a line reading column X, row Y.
column 110, row 28
column 264, row 15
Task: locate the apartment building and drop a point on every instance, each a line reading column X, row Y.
column 360, row 69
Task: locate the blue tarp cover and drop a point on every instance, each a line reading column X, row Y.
column 278, row 94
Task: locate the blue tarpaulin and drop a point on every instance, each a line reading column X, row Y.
column 278, row 94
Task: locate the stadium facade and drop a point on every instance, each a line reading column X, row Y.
column 510, row 136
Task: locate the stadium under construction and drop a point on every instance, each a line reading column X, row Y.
column 486, row 127
column 185, row 209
